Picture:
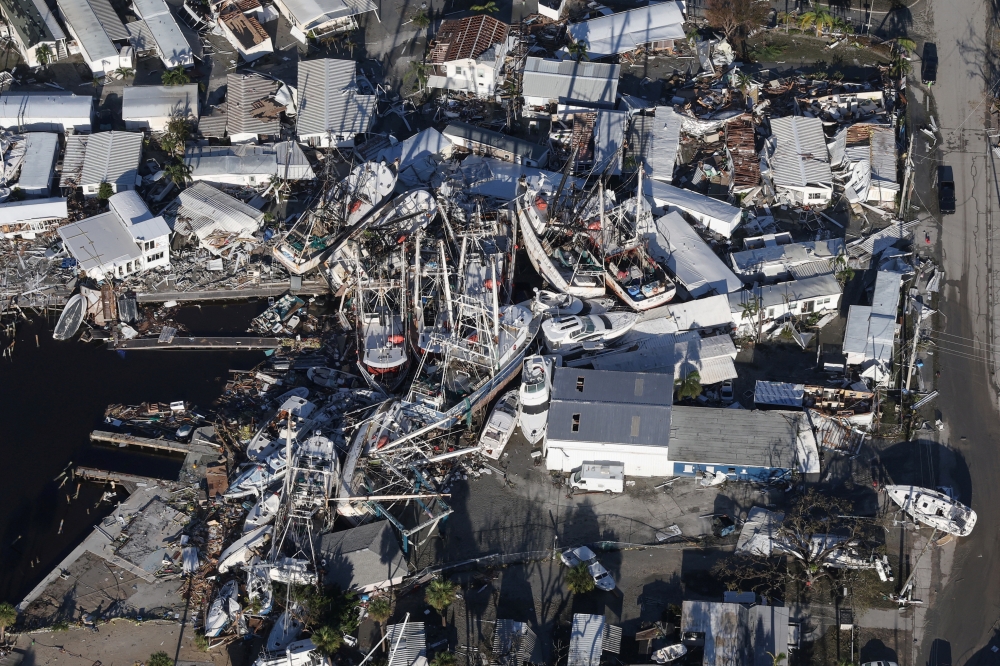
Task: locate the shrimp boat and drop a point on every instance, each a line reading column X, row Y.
column 500, row 426
column 934, row 509
column 535, row 391
column 556, row 239
column 319, row 232
column 431, row 311
column 382, row 324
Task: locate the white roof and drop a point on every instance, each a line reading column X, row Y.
column 208, row 210
column 626, row 31
column 497, row 178
column 145, row 102
column 171, row 44
column 571, row 81
column 44, row 111
column 871, row 330
column 39, row 162
column 787, row 255
column 33, row 210
column 586, row 640
column 135, row 215
column 314, row 13
column 207, row 162
column 676, row 245
column 92, row 36
column 713, row 358
column 708, row 312
column 329, row 100
column 417, row 154
column 662, row 140
column 717, row 215
column 800, row 155
column 98, row 241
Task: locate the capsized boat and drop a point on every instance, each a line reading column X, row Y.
column 298, row 653
column 500, row 426
column 670, row 653
column 535, row 391
column 240, row 551
column 934, row 509
column 572, row 333
column 408, row 213
column 263, row 512
column 71, row 318
column 223, row 611
column 259, row 586
column 286, row 630
column 257, row 476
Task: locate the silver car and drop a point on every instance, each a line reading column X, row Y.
column 584, row 555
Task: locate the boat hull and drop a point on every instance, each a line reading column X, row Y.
column 542, row 263
column 934, row 509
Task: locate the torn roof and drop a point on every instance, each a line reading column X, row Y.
column 470, row 37
column 571, row 81
column 250, row 106
column 800, row 155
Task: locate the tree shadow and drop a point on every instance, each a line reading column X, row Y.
column 875, row 650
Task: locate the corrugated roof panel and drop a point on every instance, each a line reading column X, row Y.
column 571, row 81
column 75, row 153
column 140, row 37
column 800, row 156
column 329, row 101
column 625, row 31
column 781, row 394
column 144, row 102
column 662, row 140
column 677, row 246
column 407, row 643
column 109, row 19
column 609, row 137
column 40, row 157
column 586, row 640
column 231, row 213
column 89, row 30
column 245, row 95
column 112, row 157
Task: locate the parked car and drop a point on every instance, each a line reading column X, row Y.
column 184, row 432
column 946, row 189
column 929, row 64
column 583, row 555
column 726, row 392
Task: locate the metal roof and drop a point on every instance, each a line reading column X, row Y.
column 797, row 290
column 469, row 37
column 171, row 43
column 144, row 102
column 364, row 556
column 41, row 151
column 781, row 394
column 609, row 137
column 787, row 255
column 208, row 208
column 760, row 529
column 329, row 100
column 708, row 312
column 90, row 31
column 692, row 202
column 740, row 437
column 713, row 357
column 800, row 156
column 496, row 140
column 140, row 37
column 32, row 111
column 246, row 108
column 311, row 14
column 249, row 159
column 661, row 139
column 626, row 31
column 590, row 636
column 99, row 240
column 112, row 157
column 28, row 17
column 33, row 209
column 883, row 157
column 513, row 643
column 214, row 124
column 407, row 643
column 871, row 330
column 676, row 245
column 571, row 81
column 109, row 19
column 73, row 156
column 810, row 269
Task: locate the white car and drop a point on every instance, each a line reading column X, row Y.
column 584, row 555
column 726, row 392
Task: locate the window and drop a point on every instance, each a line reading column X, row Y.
column 482, row 73
column 770, row 313
column 576, row 423
column 815, row 195
column 154, row 257
column 579, row 384
column 129, row 267
column 808, row 306
column 458, row 71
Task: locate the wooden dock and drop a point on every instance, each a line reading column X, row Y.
column 308, row 288
column 165, row 445
column 128, row 481
column 213, row 343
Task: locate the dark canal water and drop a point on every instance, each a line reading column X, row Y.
column 53, row 395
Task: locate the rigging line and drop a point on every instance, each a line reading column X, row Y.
column 976, row 348
column 965, row 339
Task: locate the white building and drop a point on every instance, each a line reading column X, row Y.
column 468, row 55
column 31, row 216
column 331, row 111
column 680, row 249
column 657, row 24
column 569, row 82
column 217, row 220
column 41, row 151
column 171, row 44
column 46, row 112
column 121, row 242
column 799, row 161
column 34, row 26
column 718, row 216
column 248, row 165
column 770, row 261
column 870, row 335
column 244, row 31
column 106, row 157
column 318, row 18
column 615, row 416
column 152, row 107
column 99, row 33
column 804, row 297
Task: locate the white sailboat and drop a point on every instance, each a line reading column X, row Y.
column 236, row 555
column 292, row 419
column 259, row 586
column 934, row 509
column 263, row 512
column 286, row 631
column 535, row 391
column 223, row 611
column 500, row 425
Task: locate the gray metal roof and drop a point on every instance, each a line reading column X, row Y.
column 53, row 208
column 28, row 17
column 626, row 31
column 249, row 159
column 314, row 13
column 586, row 640
column 244, row 94
column 883, row 157
column 790, row 254
column 143, row 102
column 781, row 394
column 329, row 100
column 34, row 111
column 800, row 156
column 871, row 330
column 609, row 137
column 90, row 31
column 885, row 299
column 407, row 643
column 661, row 140
column 712, row 357
column 728, row 639
column 109, row 19
column 140, row 37
column 362, row 556
column 112, row 157
column 98, row 240
column 171, row 44
column 497, row 140
column 811, row 269
column 740, row 437
column 208, row 206
column 513, row 643
column 214, row 124
column 797, row 290
column 676, row 245
column 40, row 159
column 73, row 156
column 571, row 81
column 708, row 312
column 692, row 202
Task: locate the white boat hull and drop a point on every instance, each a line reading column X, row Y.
column 934, row 509
column 543, row 264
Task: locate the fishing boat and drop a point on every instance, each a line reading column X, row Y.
column 259, row 588
column 535, row 391
column 223, row 611
column 557, row 238
column 339, row 214
column 382, row 332
column 934, row 509
column 315, row 475
column 500, row 425
column 275, row 318
column 263, row 512
column 257, row 476
column 286, row 630
column 564, row 335
column 236, row 555
column 71, row 318
column 432, row 315
column 292, row 571
column 670, row 653
column 291, row 419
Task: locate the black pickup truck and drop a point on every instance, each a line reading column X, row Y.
column 929, row 64
column 946, row 190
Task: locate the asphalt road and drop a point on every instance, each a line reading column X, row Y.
column 960, row 621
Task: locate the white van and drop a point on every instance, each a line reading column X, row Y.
column 599, row 475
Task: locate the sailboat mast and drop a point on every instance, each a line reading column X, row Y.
column 416, row 279
column 447, row 287
column 496, row 306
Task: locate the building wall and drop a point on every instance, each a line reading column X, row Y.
column 806, row 196
column 805, row 306
column 91, row 189
column 235, row 179
column 155, row 253
column 154, row 124
column 735, row 472
column 325, row 140
column 565, row 456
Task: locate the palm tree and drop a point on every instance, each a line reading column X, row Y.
column 785, row 18
column 380, row 610
column 689, row 386
column 421, row 19
column 904, row 44
column 178, row 172
column 579, row 580
column 899, row 67
column 125, row 72
column 777, row 658
column 443, row 659
column 577, row 51
column 842, row 269
column 420, row 70
column 743, row 82
column 490, row 7
column 327, row 640
column 350, row 43
column 159, row 659
column 439, row 595
column 8, row 616
column 175, row 77
column 818, row 19
column 179, row 128
column 43, row 54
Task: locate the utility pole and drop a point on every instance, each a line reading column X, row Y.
column 904, row 203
